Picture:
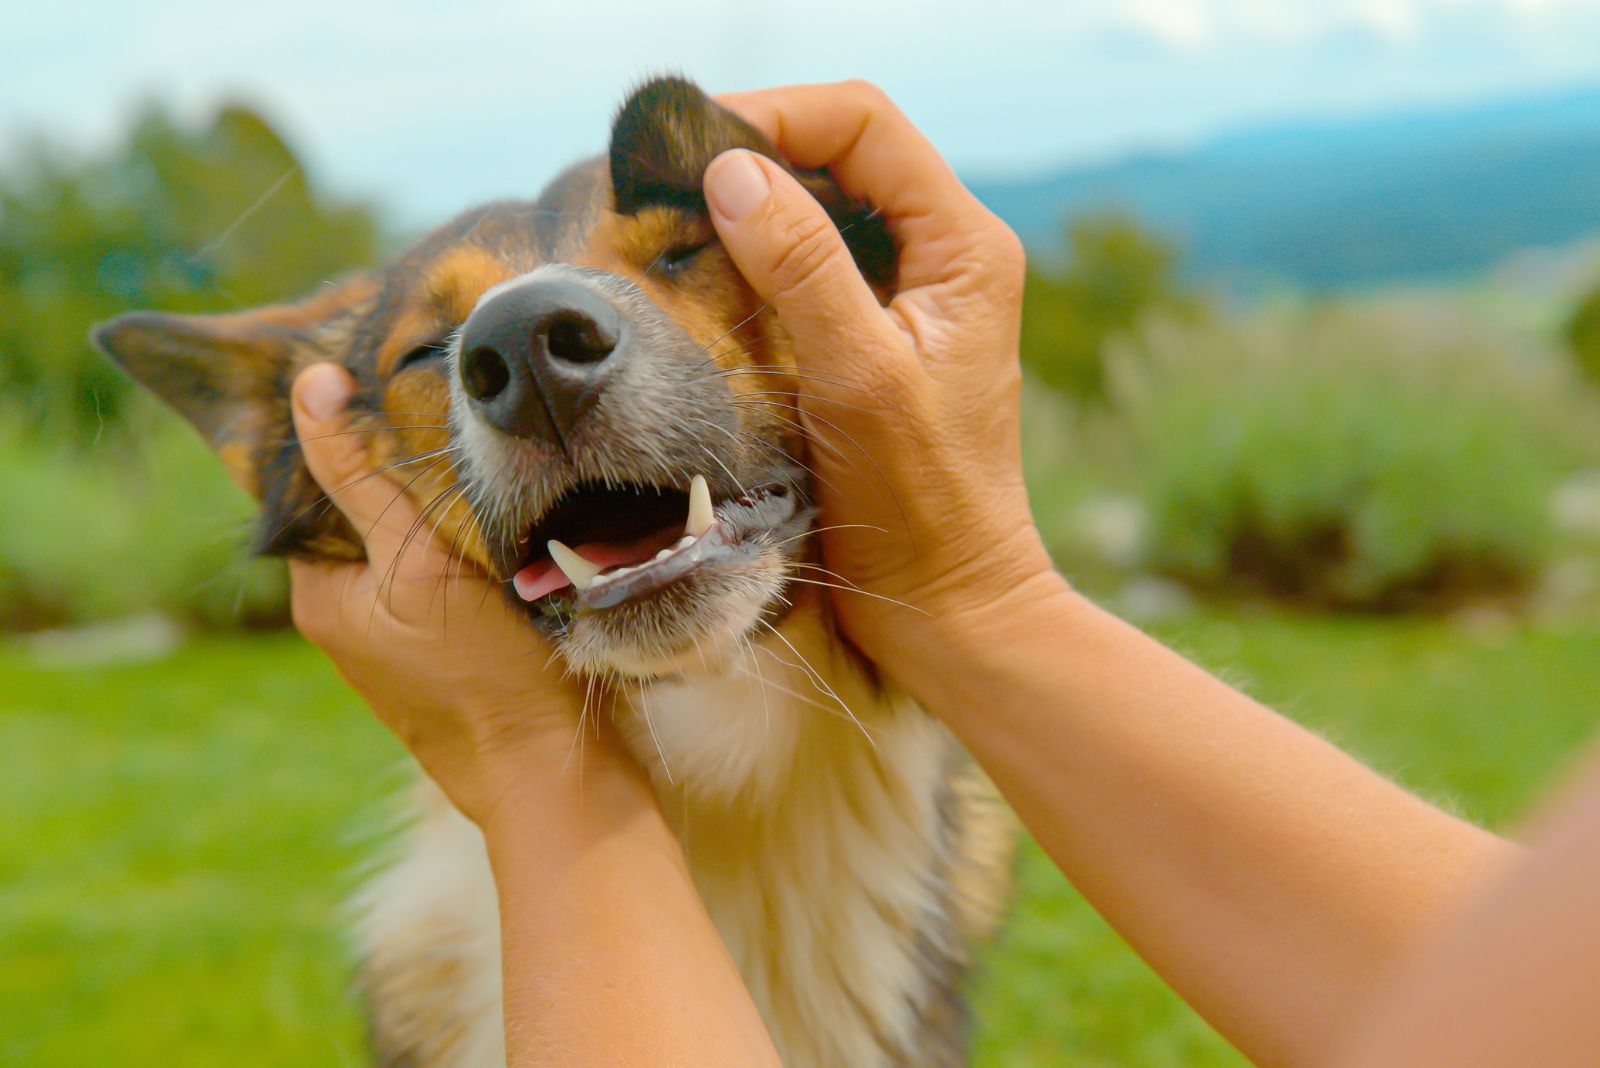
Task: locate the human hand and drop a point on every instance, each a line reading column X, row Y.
column 430, row 643
column 913, row 408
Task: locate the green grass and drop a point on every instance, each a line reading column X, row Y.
column 176, row 838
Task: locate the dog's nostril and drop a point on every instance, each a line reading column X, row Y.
column 576, row 338
column 484, row 374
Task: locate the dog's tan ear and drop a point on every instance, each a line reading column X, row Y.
column 230, row 376
column 669, row 131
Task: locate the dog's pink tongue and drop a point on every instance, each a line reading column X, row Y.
column 543, row 576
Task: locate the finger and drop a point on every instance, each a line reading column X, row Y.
column 791, row 253
column 321, row 594
column 869, row 146
column 338, row 459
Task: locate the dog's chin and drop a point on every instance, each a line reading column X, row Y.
column 701, row 622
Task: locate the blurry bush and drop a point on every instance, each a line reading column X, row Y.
column 215, row 219
column 1583, row 335
column 146, row 524
column 1115, row 272
column 113, row 503
column 1373, row 457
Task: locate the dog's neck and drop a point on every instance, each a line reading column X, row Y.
column 847, row 876
column 807, row 798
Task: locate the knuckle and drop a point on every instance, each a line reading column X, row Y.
column 868, row 92
column 804, row 244
column 889, row 377
column 1008, row 247
column 309, row 609
column 1007, row 253
column 994, row 256
column 309, row 619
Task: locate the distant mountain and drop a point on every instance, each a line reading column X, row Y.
column 1333, row 205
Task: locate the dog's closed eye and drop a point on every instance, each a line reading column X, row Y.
column 677, row 259
column 431, row 350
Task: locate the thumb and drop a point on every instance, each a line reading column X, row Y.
column 337, row 457
column 790, row 252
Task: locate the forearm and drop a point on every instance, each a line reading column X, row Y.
column 609, row 957
column 1266, row 875
column 1513, row 980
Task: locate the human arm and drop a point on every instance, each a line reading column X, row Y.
column 1512, row 981
column 609, row 957
column 1267, row 876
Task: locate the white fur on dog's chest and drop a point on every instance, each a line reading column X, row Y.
column 821, row 855
column 813, row 840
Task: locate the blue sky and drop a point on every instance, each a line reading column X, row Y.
column 428, row 108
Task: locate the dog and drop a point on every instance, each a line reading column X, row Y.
column 590, row 405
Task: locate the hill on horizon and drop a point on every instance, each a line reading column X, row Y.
column 1330, row 205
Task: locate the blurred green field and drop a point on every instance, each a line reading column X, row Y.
column 178, row 837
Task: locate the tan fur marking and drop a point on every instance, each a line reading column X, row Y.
column 457, row 280
column 240, row 461
column 712, row 303
column 451, row 287
column 420, row 431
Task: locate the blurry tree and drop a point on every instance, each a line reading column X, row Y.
column 1115, row 273
column 178, row 219
column 1583, row 334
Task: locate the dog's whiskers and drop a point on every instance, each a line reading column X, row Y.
column 326, row 500
column 817, row 680
column 644, row 710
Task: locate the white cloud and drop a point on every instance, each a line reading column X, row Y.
column 1185, row 25
column 1189, row 25
column 1396, row 21
column 432, row 111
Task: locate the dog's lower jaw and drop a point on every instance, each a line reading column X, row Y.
column 841, row 842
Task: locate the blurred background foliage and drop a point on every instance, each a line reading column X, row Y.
column 1114, row 273
column 1382, row 449
column 1376, row 505
column 125, row 510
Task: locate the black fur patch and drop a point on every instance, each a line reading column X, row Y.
column 669, row 131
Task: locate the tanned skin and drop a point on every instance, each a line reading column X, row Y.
column 1270, row 878
column 1276, row 883
column 609, row 956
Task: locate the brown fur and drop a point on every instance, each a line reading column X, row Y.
column 638, row 216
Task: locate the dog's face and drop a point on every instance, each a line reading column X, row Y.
column 580, row 391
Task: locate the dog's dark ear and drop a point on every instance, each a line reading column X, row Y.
column 230, row 376
column 669, row 131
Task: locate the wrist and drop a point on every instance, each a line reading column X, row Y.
column 555, row 808
column 973, row 649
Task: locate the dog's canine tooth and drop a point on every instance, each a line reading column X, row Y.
column 700, row 514
column 580, row 572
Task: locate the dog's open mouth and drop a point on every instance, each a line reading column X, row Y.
column 604, row 545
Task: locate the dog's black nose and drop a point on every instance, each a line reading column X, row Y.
column 534, row 357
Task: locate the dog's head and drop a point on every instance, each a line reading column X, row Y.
column 580, row 391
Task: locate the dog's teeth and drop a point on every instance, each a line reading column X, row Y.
column 684, row 542
column 580, row 572
column 700, row 514
column 664, row 553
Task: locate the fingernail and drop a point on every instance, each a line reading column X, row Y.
column 324, row 391
column 736, row 184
